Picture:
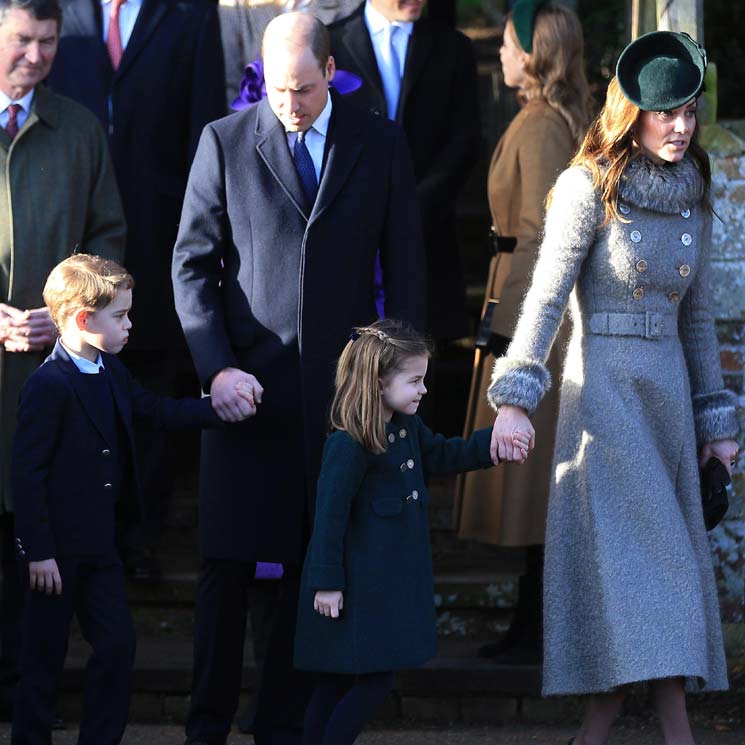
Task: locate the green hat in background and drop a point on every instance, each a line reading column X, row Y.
column 661, row 70
column 523, row 19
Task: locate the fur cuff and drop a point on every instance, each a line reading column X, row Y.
column 715, row 417
column 518, row 383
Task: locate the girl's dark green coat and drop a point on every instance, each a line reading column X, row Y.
column 371, row 540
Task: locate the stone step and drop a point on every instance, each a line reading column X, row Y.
column 456, row 684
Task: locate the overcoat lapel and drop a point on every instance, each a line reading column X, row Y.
column 271, row 144
column 358, row 43
column 344, row 149
column 420, row 46
column 150, row 15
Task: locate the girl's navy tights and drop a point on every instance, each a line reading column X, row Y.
column 342, row 704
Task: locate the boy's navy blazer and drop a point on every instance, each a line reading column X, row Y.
column 66, row 472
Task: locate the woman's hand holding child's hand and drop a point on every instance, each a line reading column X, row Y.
column 513, row 436
column 44, row 576
column 328, row 602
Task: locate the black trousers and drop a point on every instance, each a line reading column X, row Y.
column 11, row 605
column 95, row 592
column 224, row 595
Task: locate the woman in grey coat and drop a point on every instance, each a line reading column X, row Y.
column 630, row 594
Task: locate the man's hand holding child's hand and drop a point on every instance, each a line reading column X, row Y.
column 235, row 394
column 44, row 576
column 328, row 603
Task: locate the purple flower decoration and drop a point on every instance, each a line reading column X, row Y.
column 253, row 88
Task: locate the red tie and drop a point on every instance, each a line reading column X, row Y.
column 114, row 37
column 12, row 126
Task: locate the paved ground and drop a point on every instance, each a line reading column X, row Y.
column 634, row 733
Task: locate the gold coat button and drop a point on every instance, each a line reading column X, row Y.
column 415, row 494
column 685, row 214
column 106, row 453
column 641, row 265
column 107, row 486
column 402, row 433
column 391, row 437
column 686, row 239
column 685, row 270
column 673, row 297
column 410, row 463
column 636, row 236
column 638, row 293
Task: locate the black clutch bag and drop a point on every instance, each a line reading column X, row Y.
column 714, row 498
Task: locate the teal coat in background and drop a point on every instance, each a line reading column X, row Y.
column 371, row 540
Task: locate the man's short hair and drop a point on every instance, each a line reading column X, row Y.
column 317, row 39
column 41, row 10
column 83, row 282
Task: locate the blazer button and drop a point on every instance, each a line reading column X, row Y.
column 624, row 209
column 636, row 236
column 403, row 467
column 638, row 293
column 391, row 437
column 415, row 494
column 685, row 214
column 108, row 487
column 402, row 433
column 106, row 453
column 673, row 297
column 21, row 552
column 685, row 270
column 686, row 239
column 410, row 463
column 641, row 265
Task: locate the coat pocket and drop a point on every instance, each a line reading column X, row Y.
column 387, row 506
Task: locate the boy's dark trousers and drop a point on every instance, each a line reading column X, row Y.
column 94, row 590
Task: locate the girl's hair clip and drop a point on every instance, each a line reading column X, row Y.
column 354, row 336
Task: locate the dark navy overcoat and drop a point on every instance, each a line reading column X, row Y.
column 371, row 540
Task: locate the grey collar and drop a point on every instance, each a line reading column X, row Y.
column 666, row 188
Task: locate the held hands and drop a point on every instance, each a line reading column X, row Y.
column 328, row 603
column 235, row 394
column 513, row 436
column 725, row 450
column 44, row 576
column 26, row 330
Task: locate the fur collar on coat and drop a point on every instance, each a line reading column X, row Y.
column 666, row 187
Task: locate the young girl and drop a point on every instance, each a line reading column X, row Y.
column 366, row 601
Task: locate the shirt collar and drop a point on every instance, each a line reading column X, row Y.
column 24, row 101
column 321, row 124
column 377, row 22
column 84, row 365
column 131, row 3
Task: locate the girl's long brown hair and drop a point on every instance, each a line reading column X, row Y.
column 372, row 353
column 609, row 147
column 555, row 69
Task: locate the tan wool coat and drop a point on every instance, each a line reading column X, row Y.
column 507, row 506
column 58, row 195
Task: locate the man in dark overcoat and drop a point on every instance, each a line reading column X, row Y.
column 152, row 71
column 287, row 205
column 57, row 195
column 431, row 90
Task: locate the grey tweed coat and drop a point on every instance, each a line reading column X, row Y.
column 629, row 587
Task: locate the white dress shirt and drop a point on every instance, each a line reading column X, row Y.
column 315, row 138
column 128, row 13
column 25, row 104
column 84, row 365
column 376, row 24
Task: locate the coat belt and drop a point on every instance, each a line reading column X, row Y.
column 649, row 325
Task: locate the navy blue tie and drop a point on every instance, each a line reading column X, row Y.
column 305, row 169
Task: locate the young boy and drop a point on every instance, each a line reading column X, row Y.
column 74, row 474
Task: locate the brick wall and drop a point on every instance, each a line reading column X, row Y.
column 726, row 145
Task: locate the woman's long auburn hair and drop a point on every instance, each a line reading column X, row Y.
column 372, row 353
column 609, row 146
column 555, row 70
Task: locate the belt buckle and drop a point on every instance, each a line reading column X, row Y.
column 654, row 325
